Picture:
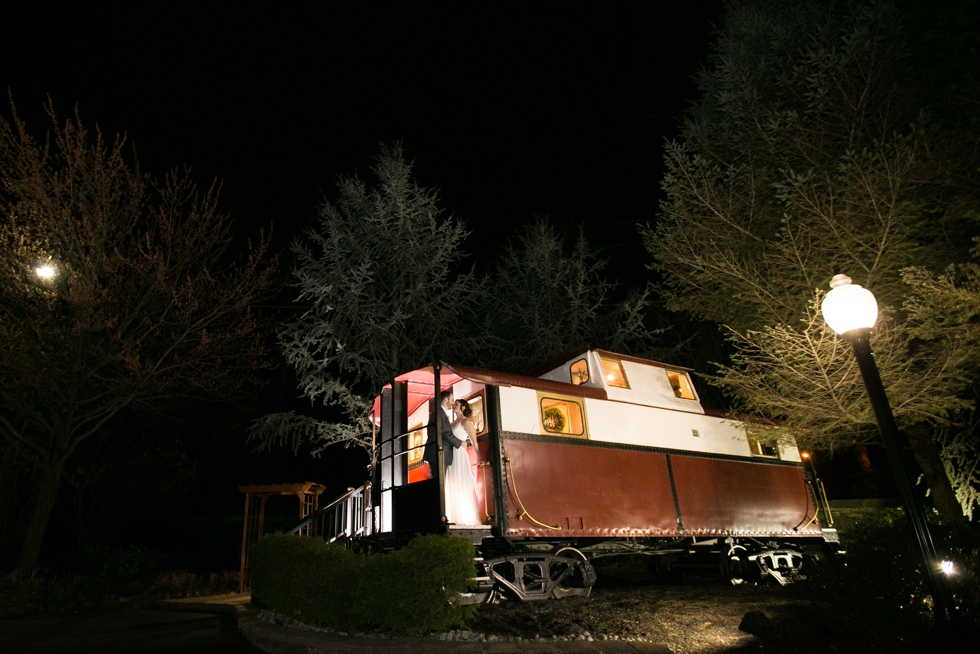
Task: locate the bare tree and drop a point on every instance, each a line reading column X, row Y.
column 807, row 378
column 117, row 293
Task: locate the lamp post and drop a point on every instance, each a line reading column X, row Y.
column 851, row 311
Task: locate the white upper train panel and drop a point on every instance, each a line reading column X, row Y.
column 630, row 379
column 647, row 403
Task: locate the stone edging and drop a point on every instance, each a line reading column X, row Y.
column 279, row 639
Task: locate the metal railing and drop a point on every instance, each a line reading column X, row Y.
column 389, row 458
column 343, row 518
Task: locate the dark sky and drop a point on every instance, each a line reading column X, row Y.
column 546, row 111
column 510, row 114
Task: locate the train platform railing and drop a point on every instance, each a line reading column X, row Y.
column 343, row 518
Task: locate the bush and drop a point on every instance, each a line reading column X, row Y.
column 123, row 565
column 406, row 591
column 25, row 593
column 304, row 578
column 410, row 588
column 879, row 591
column 179, row 583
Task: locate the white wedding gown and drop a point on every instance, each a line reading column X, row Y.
column 461, row 507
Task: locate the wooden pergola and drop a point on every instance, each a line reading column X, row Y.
column 255, row 497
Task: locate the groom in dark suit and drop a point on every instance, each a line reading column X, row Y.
column 449, row 441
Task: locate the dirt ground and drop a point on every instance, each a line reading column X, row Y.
column 701, row 614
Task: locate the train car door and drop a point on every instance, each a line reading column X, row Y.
column 407, row 504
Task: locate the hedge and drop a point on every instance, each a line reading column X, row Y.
column 324, row 584
column 879, row 591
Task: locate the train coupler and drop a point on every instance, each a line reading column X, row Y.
column 782, row 565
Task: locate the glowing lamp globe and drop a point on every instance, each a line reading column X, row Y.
column 848, row 306
column 45, row 272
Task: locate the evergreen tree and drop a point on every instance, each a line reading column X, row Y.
column 810, row 153
column 546, row 299
column 380, row 275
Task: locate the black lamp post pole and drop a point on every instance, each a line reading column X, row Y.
column 941, row 596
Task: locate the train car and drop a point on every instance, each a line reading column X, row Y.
column 601, row 455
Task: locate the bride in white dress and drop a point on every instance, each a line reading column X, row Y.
column 461, row 506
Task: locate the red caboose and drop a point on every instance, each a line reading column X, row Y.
column 603, row 454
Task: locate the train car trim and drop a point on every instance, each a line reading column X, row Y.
column 493, row 378
column 517, row 436
column 420, row 384
column 496, row 458
column 561, row 359
column 673, row 492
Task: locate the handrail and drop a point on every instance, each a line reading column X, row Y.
column 408, row 433
column 347, row 509
column 408, row 451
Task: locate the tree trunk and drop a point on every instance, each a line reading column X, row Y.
column 47, row 492
column 927, row 456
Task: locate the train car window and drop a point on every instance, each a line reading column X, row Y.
column 615, row 375
column 418, row 470
column 562, row 416
column 580, row 372
column 681, row 383
column 479, row 417
column 763, row 448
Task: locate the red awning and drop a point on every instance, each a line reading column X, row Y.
column 421, row 384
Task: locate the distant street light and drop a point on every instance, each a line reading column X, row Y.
column 46, row 271
column 851, row 311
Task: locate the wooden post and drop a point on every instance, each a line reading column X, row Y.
column 241, row 571
column 258, row 535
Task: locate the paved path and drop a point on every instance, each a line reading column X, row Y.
column 118, row 631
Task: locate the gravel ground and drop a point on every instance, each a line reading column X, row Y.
column 700, row 615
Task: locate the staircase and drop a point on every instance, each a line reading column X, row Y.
column 344, row 518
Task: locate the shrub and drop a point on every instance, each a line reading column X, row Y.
column 121, row 565
column 179, row 583
column 411, row 587
column 879, row 590
column 406, row 591
column 25, row 592
column 304, row 578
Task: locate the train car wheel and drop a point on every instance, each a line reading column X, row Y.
column 736, row 566
column 579, row 580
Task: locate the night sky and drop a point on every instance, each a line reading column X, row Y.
column 543, row 111
column 511, row 115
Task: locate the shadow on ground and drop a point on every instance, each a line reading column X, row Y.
column 114, row 632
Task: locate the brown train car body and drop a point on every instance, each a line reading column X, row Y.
column 602, row 454
column 602, row 492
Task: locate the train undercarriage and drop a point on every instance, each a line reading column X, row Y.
column 529, row 570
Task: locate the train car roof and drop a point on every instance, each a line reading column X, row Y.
column 421, row 383
column 561, row 359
